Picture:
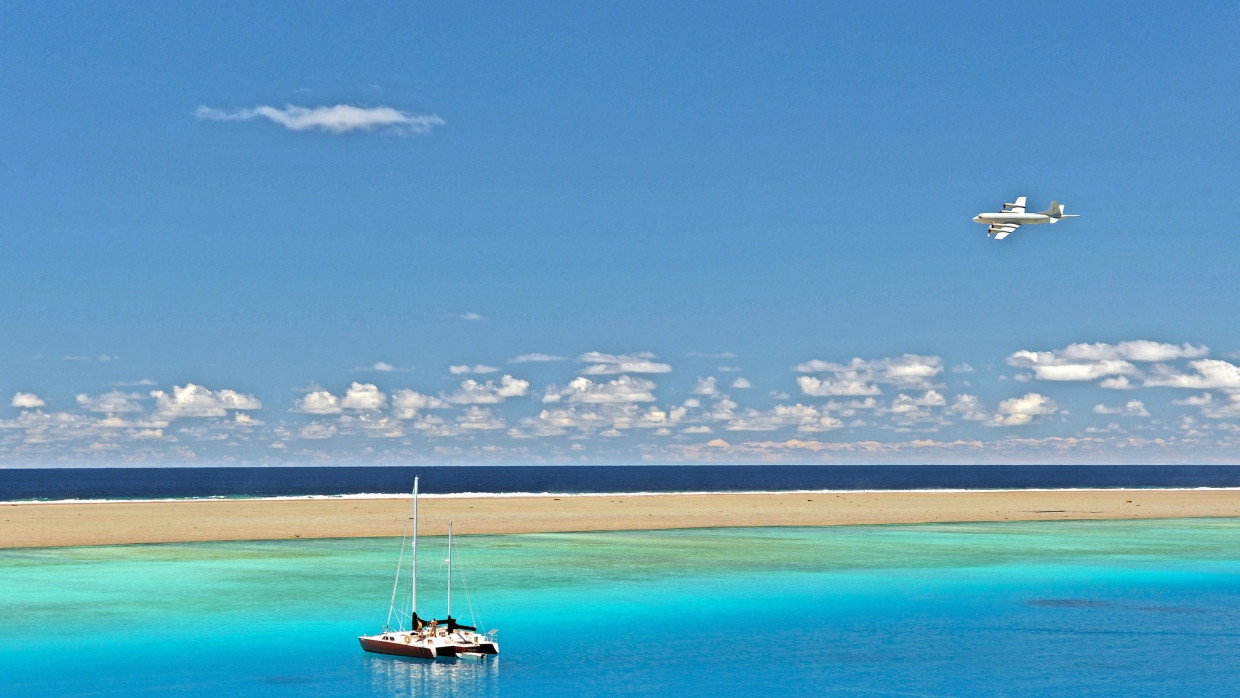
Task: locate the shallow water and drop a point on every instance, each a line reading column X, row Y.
column 1068, row 608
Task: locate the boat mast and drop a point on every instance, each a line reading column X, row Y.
column 413, row 601
column 449, row 569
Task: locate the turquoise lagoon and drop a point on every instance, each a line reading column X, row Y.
column 1062, row 608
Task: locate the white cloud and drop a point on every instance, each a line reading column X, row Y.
column 817, row 387
column 806, row 418
column 470, row 316
column 339, row 118
column 114, row 402
column 318, row 430
column 609, row 364
column 908, row 407
column 464, row 369
column 363, row 396
column 1117, row 383
column 962, row 368
column 968, row 408
column 535, row 358
column 385, row 367
column 197, row 401
column 1087, row 362
column 1052, row 366
column 472, row 392
column 1227, row 410
column 859, row 377
column 27, row 401
column 476, row 418
column 621, row 390
column 705, row 386
column 406, row 403
column 1211, row 374
column 1144, row 350
column 1195, row 400
column 741, row 384
column 318, row 402
column 1133, row 408
column 1018, row 411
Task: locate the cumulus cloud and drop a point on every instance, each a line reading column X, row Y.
column 969, row 409
column 27, row 401
column 860, row 377
column 620, row 390
column 1019, row 411
column 705, row 386
column 1087, row 362
column 557, row 421
column 318, row 430
column 318, row 402
column 820, row 387
column 1209, row 374
column 806, row 418
column 339, row 118
column 741, row 384
column 907, row 408
column 472, row 392
column 363, row 396
column 406, row 403
column 476, row 418
column 535, row 358
column 609, row 364
column 114, row 402
column 197, row 401
column 1132, row 408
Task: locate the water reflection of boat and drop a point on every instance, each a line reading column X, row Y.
column 426, row 638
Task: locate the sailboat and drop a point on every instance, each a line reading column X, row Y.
column 427, row 638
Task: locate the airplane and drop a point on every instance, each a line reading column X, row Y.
column 1013, row 216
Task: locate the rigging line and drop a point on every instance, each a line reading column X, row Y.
column 474, row 617
column 400, row 563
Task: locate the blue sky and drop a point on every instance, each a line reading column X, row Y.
column 311, row 233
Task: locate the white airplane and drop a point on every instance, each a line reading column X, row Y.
column 1013, row 216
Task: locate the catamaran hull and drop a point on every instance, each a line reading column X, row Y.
column 397, row 648
column 422, row 650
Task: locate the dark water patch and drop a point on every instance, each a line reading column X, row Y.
column 174, row 483
column 1068, row 603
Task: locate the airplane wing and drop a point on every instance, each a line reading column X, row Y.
column 1001, row 230
column 1018, row 207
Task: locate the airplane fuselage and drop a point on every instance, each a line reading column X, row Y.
column 1013, row 218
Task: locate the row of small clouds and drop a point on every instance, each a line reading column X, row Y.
column 615, row 393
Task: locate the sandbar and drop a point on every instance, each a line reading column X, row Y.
column 51, row 524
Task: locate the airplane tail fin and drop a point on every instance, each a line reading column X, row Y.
column 1056, row 212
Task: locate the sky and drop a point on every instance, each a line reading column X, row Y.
column 312, row 233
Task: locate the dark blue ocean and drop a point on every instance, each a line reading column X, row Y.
column 176, row 483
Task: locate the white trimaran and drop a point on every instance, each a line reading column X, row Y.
column 427, row 639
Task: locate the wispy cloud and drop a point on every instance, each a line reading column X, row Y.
column 339, row 118
column 601, row 364
column 462, row 369
column 383, row 367
column 535, row 358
